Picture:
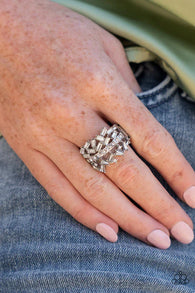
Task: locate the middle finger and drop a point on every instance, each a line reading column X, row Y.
column 150, row 139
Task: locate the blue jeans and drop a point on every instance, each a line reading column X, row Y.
column 44, row 249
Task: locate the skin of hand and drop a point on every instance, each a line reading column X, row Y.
column 64, row 78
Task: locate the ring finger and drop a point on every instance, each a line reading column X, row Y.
column 104, row 195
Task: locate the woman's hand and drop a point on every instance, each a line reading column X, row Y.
column 62, row 79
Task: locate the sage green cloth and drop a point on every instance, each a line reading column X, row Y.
column 163, row 31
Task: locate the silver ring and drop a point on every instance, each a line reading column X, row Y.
column 101, row 150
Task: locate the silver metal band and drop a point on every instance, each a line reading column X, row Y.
column 101, row 150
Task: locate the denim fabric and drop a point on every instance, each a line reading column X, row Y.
column 44, row 249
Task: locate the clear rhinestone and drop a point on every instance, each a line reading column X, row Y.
column 86, row 145
column 82, row 151
column 99, row 146
column 125, row 146
column 118, row 153
column 104, row 151
column 93, row 143
column 103, row 162
column 111, row 156
column 110, row 130
column 100, row 138
column 106, row 141
column 89, row 160
column 103, row 132
column 97, row 168
column 113, row 161
column 121, row 135
column 109, row 147
column 128, row 141
column 102, row 168
column 91, row 151
column 114, row 134
column 117, row 139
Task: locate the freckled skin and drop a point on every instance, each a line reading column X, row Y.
column 49, row 73
column 48, row 77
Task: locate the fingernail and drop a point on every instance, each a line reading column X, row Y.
column 159, row 239
column 189, row 196
column 182, row 232
column 107, row 232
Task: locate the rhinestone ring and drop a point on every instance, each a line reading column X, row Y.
column 101, row 150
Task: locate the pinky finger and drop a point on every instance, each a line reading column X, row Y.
column 63, row 192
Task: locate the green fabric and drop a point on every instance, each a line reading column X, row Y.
column 165, row 28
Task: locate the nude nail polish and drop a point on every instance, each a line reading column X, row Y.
column 182, row 232
column 107, row 232
column 189, row 196
column 159, row 239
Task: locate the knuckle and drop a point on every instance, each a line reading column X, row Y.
column 156, row 142
column 95, row 186
column 116, row 42
column 177, row 175
column 164, row 212
column 95, row 76
column 36, row 135
column 41, row 140
column 79, row 213
column 52, row 189
column 127, row 172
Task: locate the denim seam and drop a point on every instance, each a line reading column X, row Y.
column 162, row 101
column 139, row 71
column 157, row 91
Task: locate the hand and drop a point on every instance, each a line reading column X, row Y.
column 64, row 78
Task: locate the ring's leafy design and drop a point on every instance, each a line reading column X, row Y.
column 101, row 150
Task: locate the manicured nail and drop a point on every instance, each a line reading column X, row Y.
column 182, row 232
column 107, row 232
column 159, row 239
column 189, row 196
